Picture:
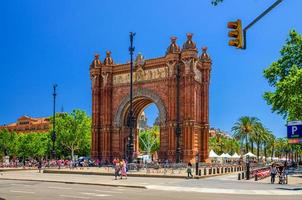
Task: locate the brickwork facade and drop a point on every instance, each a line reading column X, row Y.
column 154, row 82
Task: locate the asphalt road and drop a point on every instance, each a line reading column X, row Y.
column 31, row 190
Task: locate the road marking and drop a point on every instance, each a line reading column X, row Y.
column 20, row 185
column 60, row 188
column 19, row 191
column 115, row 192
column 223, row 191
column 95, row 194
column 74, row 197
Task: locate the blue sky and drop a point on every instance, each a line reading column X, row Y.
column 46, row 42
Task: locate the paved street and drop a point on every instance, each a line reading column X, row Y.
column 32, row 190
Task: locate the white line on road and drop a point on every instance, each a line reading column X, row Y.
column 19, row 191
column 224, row 191
column 20, row 185
column 95, row 194
column 60, row 188
column 74, row 197
column 107, row 191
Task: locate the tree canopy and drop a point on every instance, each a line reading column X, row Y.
column 73, row 132
column 73, row 136
column 285, row 76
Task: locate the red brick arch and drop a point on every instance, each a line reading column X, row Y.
column 154, row 82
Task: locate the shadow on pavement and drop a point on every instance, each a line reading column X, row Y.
column 291, row 189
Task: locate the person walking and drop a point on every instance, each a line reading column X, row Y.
column 189, row 170
column 40, row 165
column 116, row 169
column 273, row 173
column 123, row 169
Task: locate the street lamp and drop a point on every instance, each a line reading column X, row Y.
column 196, row 164
column 131, row 117
column 53, row 134
column 247, row 167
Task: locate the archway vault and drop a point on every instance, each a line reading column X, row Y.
column 141, row 99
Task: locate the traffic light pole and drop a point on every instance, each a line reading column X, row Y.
column 257, row 19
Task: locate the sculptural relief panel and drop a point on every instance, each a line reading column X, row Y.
column 141, row 75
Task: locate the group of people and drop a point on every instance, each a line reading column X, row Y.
column 281, row 171
column 120, row 168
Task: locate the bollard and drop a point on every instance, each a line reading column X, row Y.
column 199, row 172
column 239, row 176
column 232, row 169
column 242, row 175
column 256, row 177
column 210, row 171
column 205, row 171
column 214, row 171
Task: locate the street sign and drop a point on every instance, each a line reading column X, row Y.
column 294, row 129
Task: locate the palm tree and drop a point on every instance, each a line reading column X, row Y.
column 243, row 128
column 260, row 135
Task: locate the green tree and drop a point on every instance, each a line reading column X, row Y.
column 285, row 76
column 216, row 2
column 149, row 140
column 243, row 129
column 73, row 133
column 260, row 136
column 7, row 143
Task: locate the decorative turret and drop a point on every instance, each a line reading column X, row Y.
column 173, row 48
column 108, row 60
column 189, row 44
column 204, row 57
column 139, row 60
column 96, row 62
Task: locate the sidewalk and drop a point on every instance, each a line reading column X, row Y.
column 227, row 184
column 109, row 171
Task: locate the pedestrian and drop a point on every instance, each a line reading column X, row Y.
column 273, row 173
column 116, row 169
column 189, row 170
column 123, row 169
column 40, row 166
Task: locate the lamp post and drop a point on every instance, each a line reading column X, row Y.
column 131, row 117
column 53, row 134
column 247, row 167
column 177, row 129
column 196, row 164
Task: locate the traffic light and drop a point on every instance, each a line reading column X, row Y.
column 236, row 34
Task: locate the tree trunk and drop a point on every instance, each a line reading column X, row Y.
column 264, row 150
column 72, row 154
column 246, row 144
column 273, row 151
column 258, row 146
column 252, row 146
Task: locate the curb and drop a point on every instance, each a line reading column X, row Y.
column 74, row 182
column 49, row 171
column 111, row 174
column 11, row 170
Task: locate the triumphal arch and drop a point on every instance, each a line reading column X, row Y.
column 154, row 81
